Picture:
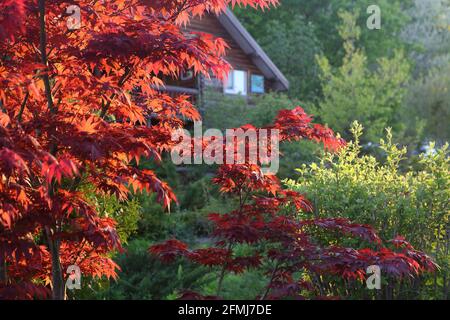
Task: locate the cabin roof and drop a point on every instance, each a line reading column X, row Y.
column 249, row 45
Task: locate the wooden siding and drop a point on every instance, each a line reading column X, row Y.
column 235, row 56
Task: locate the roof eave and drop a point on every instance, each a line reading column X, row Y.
column 253, row 49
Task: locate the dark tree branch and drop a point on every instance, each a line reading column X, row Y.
column 22, row 107
column 44, row 58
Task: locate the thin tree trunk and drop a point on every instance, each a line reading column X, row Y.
column 44, row 60
column 58, row 292
column 219, row 283
column 222, row 272
column 53, row 244
column 269, row 285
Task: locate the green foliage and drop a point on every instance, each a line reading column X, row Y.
column 189, row 221
column 355, row 92
column 296, row 30
column 144, row 277
column 157, row 224
column 413, row 204
column 259, row 110
column 427, row 107
column 281, row 41
column 194, row 192
column 244, row 286
column 323, row 16
column 429, row 100
column 428, row 33
column 125, row 213
column 377, row 43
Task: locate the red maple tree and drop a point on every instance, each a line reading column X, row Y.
column 283, row 245
column 74, row 110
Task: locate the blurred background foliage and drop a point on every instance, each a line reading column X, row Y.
column 404, row 65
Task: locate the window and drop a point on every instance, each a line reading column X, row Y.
column 237, row 82
column 257, row 83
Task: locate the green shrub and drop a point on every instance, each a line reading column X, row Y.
column 414, row 204
column 145, row 277
column 126, row 213
column 244, row 286
column 186, row 224
column 225, row 111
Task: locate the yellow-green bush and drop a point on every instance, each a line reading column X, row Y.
column 413, row 203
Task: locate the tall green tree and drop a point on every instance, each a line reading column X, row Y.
column 323, row 14
column 355, row 91
column 292, row 45
column 428, row 101
column 429, row 34
column 428, row 104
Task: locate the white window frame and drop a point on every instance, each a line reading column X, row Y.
column 237, row 83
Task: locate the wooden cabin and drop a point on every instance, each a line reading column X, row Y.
column 252, row 73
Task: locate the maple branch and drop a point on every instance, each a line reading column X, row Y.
column 222, row 272
column 58, row 290
column 121, row 82
column 83, row 242
column 22, row 107
column 272, row 277
column 105, row 106
column 2, row 107
column 57, row 276
column 182, row 7
column 44, row 61
column 44, row 58
column 242, row 201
